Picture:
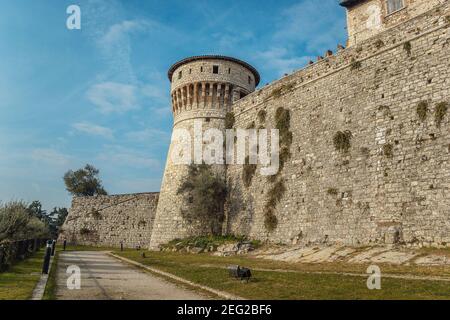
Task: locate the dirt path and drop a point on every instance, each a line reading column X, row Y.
column 106, row 278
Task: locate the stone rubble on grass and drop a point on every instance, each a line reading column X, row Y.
column 357, row 255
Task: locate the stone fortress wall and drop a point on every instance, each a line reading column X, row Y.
column 393, row 186
column 110, row 220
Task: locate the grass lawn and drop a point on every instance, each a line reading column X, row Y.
column 281, row 280
column 19, row 281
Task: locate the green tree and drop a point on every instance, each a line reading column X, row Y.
column 205, row 192
column 84, row 182
column 18, row 223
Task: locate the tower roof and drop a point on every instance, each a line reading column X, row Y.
column 349, row 3
column 214, row 57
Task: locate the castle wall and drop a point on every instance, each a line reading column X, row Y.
column 366, row 196
column 110, row 220
column 368, row 18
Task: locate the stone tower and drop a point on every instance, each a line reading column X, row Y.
column 366, row 18
column 203, row 90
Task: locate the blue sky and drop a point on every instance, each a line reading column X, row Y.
column 100, row 95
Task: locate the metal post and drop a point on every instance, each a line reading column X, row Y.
column 64, row 244
column 121, row 245
column 48, row 253
column 53, row 247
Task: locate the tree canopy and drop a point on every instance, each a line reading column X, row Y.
column 84, row 182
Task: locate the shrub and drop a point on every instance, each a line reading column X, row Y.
column 342, row 141
column 440, row 112
column 388, row 150
column 229, row 120
column 205, row 192
column 422, row 110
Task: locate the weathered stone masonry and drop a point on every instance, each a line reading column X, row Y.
column 365, row 196
column 110, row 220
column 393, row 184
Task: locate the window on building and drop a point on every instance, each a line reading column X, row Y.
column 394, row 5
column 216, row 69
column 180, row 74
column 190, row 71
column 229, row 70
column 249, row 80
column 201, row 69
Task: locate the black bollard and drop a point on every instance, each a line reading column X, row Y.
column 64, row 244
column 53, row 248
column 48, row 253
column 121, row 246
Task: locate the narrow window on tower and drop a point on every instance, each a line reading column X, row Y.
column 180, row 74
column 229, row 70
column 201, row 69
column 249, row 80
column 394, row 5
column 216, row 69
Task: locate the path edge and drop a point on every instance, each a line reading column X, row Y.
column 39, row 289
column 222, row 294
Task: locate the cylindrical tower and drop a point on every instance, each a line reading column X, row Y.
column 203, row 88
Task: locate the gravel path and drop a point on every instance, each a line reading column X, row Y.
column 106, row 278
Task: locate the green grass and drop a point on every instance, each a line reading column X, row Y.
column 280, row 280
column 50, row 288
column 18, row 282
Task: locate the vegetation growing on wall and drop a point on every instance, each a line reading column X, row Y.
column 229, row 120
column 407, row 47
column 262, row 116
column 275, row 194
column 285, row 88
column 205, row 192
column 422, row 110
column 388, row 150
column 355, row 64
column 342, row 141
column 440, row 112
column 332, row 191
column 379, row 44
column 248, row 172
column 85, row 231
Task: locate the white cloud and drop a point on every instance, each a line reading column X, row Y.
column 93, row 129
column 50, row 156
column 111, row 97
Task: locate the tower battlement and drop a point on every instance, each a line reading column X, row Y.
column 207, row 86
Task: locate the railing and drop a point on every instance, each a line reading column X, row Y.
column 13, row 251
